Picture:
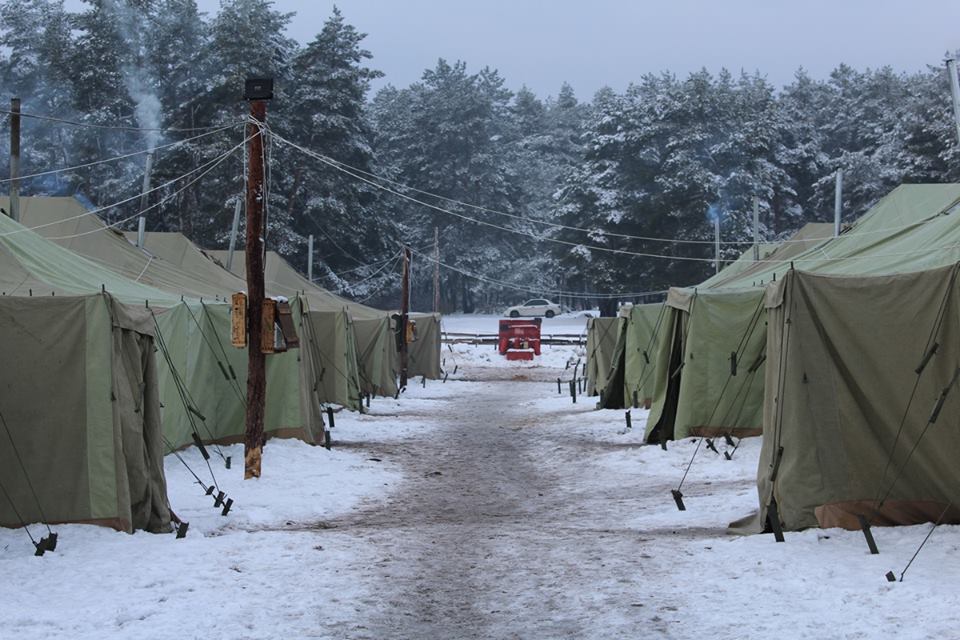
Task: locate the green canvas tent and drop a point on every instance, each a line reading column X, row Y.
column 95, row 455
column 636, row 361
column 912, row 228
column 844, row 436
column 602, row 334
column 374, row 328
column 424, row 352
column 640, row 340
column 708, row 380
column 370, row 328
column 193, row 333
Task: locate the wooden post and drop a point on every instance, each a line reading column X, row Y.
column 15, row 158
column 404, row 316
column 256, row 359
column 436, row 270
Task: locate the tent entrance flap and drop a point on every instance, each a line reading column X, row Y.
column 663, row 429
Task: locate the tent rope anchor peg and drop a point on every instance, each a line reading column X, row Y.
column 678, row 498
column 868, row 534
column 198, row 443
column 712, row 446
column 181, row 526
column 773, row 520
column 729, row 454
column 48, row 542
column 889, row 575
column 330, row 418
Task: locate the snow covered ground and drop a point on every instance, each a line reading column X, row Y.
column 485, row 507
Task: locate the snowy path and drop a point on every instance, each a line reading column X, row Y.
column 490, row 508
column 485, row 541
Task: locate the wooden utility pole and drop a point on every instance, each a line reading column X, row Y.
column 404, row 316
column 257, row 92
column 15, row 158
column 436, row 270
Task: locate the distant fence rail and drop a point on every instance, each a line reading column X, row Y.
column 454, row 337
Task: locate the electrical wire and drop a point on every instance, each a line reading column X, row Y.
column 90, row 125
column 598, row 248
column 120, row 157
column 205, row 168
column 534, row 290
column 342, row 166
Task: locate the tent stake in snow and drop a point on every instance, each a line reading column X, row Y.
column 868, row 534
column 257, row 91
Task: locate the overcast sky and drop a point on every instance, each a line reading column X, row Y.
column 592, row 43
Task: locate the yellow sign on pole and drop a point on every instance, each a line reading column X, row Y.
column 238, row 320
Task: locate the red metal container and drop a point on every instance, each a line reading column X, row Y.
column 519, row 338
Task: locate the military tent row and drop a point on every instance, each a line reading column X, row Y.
column 119, row 332
column 815, row 346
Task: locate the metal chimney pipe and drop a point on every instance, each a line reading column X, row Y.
column 144, row 192
column 233, row 233
column 716, row 233
column 310, row 258
column 837, row 203
column 141, row 230
column 15, row 158
column 955, row 92
column 756, row 229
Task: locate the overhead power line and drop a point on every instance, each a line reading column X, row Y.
column 555, row 225
column 111, row 127
column 120, row 157
column 205, row 168
column 323, row 159
column 536, row 290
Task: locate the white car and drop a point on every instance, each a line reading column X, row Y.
column 534, row 308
